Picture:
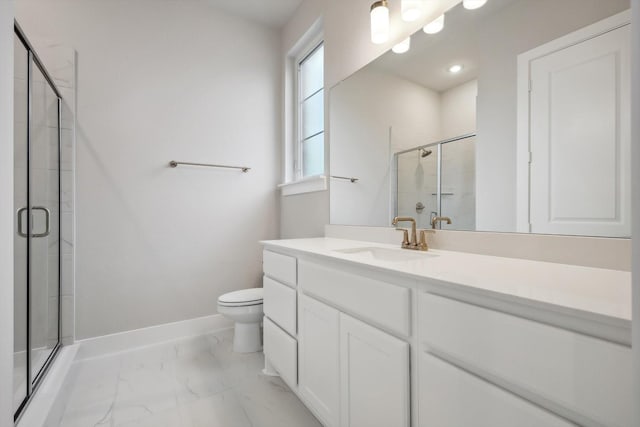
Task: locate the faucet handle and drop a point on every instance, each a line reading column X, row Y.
column 422, row 243
column 405, row 236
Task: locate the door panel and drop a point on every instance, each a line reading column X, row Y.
column 318, row 358
column 374, row 380
column 580, row 138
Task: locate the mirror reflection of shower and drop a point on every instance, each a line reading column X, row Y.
column 439, row 181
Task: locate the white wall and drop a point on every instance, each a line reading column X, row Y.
column 301, row 215
column 159, row 81
column 6, row 213
column 367, row 127
column 497, row 97
column 458, row 110
column 635, row 151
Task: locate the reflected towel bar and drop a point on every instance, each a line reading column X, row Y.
column 345, row 177
column 174, row 164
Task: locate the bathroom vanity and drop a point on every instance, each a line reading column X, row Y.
column 370, row 335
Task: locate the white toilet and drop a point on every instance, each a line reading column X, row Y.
column 244, row 307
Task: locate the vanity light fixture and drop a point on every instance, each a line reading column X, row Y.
column 473, row 4
column 403, row 46
column 411, row 10
column 455, row 69
column 380, row 22
column 434, row 26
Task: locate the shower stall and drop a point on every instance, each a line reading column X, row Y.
column 37, row 262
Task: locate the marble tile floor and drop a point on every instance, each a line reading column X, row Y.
column 186, row 383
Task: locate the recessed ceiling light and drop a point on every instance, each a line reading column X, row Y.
column 411, row 10
column 434, row 26
column 473, row 4
column 454, row 69
column 403, row 46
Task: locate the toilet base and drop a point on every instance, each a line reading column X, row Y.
column 247, row 338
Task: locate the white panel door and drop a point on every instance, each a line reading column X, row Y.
column 319, row 359
column 580, row 138
column 374, row 379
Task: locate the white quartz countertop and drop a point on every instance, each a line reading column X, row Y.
column 592, row 290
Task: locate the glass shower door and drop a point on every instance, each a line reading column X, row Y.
column 458, row 184
column 36, row 223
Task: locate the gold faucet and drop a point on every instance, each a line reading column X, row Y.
column 413, row 243
column 437, row 219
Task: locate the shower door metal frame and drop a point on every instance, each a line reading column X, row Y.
column 33, row 382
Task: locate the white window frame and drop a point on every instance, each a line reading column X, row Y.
column 298, row 151
column 295, row 183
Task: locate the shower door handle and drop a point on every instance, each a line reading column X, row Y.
column 47, row 219
column 20, row 212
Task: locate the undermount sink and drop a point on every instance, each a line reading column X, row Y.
column 386, row 254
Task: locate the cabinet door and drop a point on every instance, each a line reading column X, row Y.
column 318, row 359
column 451, row 397
column 374, row 380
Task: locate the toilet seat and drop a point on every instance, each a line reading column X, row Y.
column 242, row 298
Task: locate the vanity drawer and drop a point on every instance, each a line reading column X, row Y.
column 282, row 352
column 280, row 304
column 280, row 267
column 379, row 303
column 451, row 397
column 584, row 378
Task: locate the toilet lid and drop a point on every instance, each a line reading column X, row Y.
column 250, row 296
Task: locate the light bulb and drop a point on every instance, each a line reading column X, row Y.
column 455, row 68
column 411, row 10
column 473, row 4
column 403, row 46
column 379, row 22
column 434, row 26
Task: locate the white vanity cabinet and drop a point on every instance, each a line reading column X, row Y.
column 349, row 372
column 364, row 346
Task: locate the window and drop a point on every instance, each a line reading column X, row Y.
column 310, row 114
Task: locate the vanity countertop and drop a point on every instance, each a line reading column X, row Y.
column 592, row 290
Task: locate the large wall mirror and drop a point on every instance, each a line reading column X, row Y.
column 514, row 118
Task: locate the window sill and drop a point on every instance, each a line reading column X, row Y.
column 305, row 185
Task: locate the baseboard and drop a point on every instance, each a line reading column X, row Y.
column 124, row 341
